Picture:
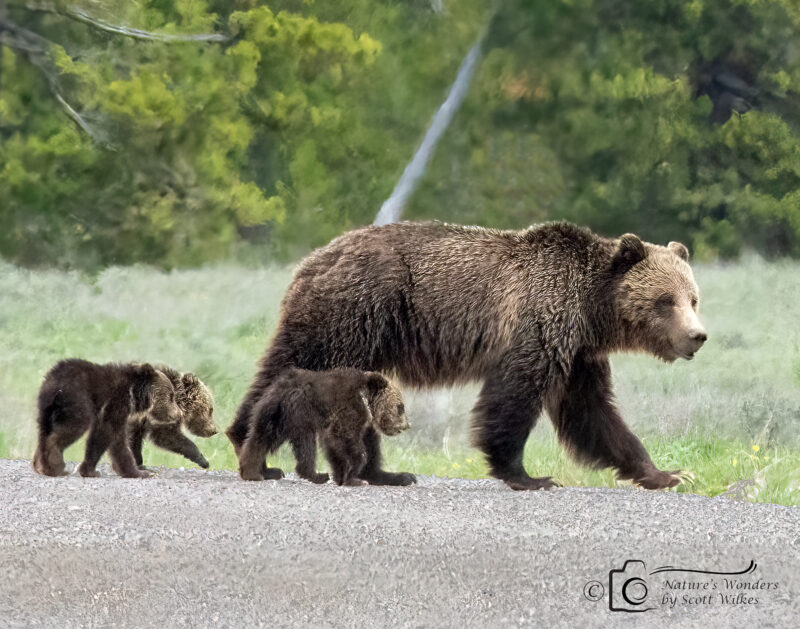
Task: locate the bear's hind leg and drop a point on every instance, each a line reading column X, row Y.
column 589, row 425
column 507, row 409
column 305, row 452
column 265, row 434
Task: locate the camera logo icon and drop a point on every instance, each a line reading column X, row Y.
column 627, row 588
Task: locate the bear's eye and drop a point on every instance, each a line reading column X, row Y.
column 665, row 301
column 401, row 409
column 694, row 302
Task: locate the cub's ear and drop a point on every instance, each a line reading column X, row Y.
column 142, row 388
column 189, row 380
column 679, row 250
column 375, row 382
column 630, row 250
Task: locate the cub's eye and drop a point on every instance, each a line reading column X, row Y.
column 665, row 301
column 401, row 409
column 694, row 302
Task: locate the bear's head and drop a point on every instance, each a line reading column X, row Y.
column 197, row 403
column 153, row 392
column 385, row 404
column 655, row 299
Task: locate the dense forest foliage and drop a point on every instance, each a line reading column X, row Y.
column 175, row 132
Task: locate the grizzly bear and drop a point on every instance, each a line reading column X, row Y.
column 78, row 395
column 338, row 405
column 197, row 405
column 534, row 314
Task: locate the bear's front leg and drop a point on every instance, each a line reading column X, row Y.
column 507, row 409
column 170, row 437
column 590, row 426
column 372, row 471
column 123, row 461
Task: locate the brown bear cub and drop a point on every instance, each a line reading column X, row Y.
column 78, row 395
column 339, row 405
column 197, row 405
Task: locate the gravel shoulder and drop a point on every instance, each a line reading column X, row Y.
column 194, row 548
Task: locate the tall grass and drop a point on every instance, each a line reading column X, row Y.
column 742, row 389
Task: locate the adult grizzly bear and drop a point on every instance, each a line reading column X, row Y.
column 533, row 313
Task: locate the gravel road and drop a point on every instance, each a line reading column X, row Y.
column 204, row 549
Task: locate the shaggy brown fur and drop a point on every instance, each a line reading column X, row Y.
column 197, row 404
column 339, row 405
column 77, row 396
column 534, row 314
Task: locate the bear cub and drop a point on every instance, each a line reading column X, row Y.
column 78, row 395
column 197, row 405
column 338, row 405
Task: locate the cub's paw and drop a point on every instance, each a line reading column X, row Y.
column 202, row 463
column 271, row 473
column 86, row 472
column 397, row 479
column 529, row 483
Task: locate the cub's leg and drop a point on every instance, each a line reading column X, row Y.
column 122, row 459
column 264, row 435
column 372, row 471
column 136, row 431
column 169, row 437
column 347, row 457
column 62, row 420
column 100, row 437
column 109, row 427
column 305, row 452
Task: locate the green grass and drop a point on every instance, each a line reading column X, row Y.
column 704, row 416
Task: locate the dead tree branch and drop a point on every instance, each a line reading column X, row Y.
column 80, row 15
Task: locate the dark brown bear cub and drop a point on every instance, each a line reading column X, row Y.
column 197, row 405
column 339, row 405
column 78, row 395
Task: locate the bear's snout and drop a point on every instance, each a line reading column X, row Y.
column 694, row 341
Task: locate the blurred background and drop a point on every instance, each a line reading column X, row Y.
column 164, row 163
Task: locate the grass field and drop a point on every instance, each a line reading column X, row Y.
column 731, row 416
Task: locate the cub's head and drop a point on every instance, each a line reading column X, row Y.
column 197, row 403
column 152, row 392
column 656, row 299
column 386, row 405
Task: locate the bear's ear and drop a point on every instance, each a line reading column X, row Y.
column 189, row 380
column 142, row 388
column 629, row 251
column 375, row 382
column 679, row 250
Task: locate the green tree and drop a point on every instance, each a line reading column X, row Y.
column 671, row 119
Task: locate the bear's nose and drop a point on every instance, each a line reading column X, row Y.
column 698, row 335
